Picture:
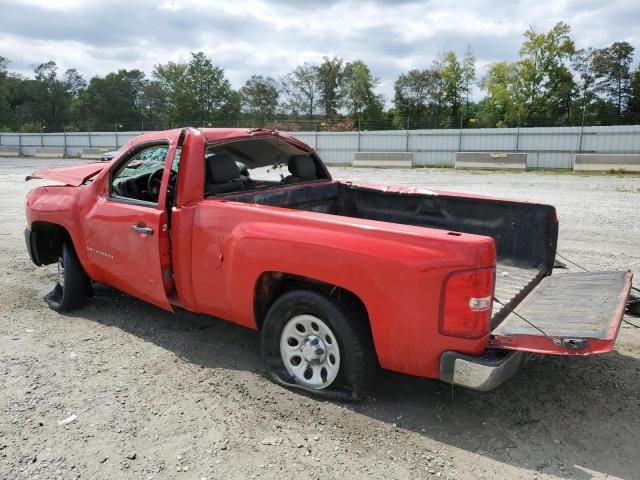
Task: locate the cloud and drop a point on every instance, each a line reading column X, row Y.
column 271, row 38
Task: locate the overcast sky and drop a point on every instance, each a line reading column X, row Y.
column 271, row 38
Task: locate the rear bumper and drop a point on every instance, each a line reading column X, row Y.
column 483, row 373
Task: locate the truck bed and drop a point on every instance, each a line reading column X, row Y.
column 525, row 233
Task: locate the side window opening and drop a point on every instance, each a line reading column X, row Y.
column 256, row 164
column 140, row 177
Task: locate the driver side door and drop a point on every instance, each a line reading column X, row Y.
column 126, row 231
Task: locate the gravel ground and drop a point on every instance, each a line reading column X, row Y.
column 150, row 395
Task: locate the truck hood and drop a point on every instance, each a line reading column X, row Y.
column 74, row 176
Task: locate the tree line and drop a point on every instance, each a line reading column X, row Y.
column 551, row 83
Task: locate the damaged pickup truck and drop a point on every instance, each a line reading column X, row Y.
column 338, row 278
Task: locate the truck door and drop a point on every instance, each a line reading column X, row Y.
column 126, row 231
column 567, row 314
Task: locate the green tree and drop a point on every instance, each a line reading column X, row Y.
column 504, row 103
column 541, row 55
column 154, row 104
column 418, row 97
column 207, row 87
column 50, row 98
column 115, row 100
column 195, row 93
column 74, row 85
column 357, row 92
column 634, row 99
column 468, row 76
column 330, row 74
column 7, row 114
column 453, row 84
column 259, row 97
column 612, row 66
column 303, row 89
column 172, row 80
column 586, row 77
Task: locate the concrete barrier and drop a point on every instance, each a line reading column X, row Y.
column 94, row 153
column 491, row 160
column 9, row 151
column 602, row 162
column 49, row 152
column 383, row 159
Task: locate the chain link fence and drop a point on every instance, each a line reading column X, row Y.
column 349, row 124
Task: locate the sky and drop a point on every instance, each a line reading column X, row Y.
column 273, row 37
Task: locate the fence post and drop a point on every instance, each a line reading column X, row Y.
column 20, row 142
column 518, row 136
column 406, row 147
column 89, row 135
column 581, row 132
column 64, row 148
column 315, row 141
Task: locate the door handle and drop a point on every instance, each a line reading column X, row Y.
column 142, row 229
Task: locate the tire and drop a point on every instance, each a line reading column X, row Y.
column 73, row 286
column 317, row 344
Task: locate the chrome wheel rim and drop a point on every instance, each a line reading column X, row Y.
column 61, row 272
column 310, row 352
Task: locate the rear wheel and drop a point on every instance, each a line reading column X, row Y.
column 317, row 344
column 73, row 285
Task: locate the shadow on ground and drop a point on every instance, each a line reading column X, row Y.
column 572, row 417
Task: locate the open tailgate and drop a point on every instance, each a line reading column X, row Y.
column 579, row 313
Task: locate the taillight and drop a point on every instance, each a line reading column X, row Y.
column 467, row 299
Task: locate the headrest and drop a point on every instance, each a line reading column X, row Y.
column 221, row 168
column 302, row 166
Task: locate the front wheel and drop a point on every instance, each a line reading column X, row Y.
column 73, row 285
column 318, row 344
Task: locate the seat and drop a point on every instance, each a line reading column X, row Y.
column 302, row 169
column 222, row 175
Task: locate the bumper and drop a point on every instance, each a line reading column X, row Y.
column 483, row 373
column 30, row 240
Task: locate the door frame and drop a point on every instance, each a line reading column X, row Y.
column 105, row 195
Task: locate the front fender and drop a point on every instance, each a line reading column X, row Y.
column 59, row 205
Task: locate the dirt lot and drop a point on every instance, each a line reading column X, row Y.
column 180, row 396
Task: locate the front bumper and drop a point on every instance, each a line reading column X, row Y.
column 482, row 373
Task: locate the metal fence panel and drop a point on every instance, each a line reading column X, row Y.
column 390, row 141
column 547, row 147
column 434, row 141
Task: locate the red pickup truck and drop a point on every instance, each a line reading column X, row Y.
column 339, row 278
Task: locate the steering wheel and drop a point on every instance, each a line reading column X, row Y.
column 154, row 182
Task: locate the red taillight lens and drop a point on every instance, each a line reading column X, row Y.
column 466, row 305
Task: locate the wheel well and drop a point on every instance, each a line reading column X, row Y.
column 271, row 285
column 49, row 238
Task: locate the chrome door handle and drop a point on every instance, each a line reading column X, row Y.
column 141, row 229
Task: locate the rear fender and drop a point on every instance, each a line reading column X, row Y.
column 397, row 280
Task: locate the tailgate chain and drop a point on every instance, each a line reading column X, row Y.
column 521, row 317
